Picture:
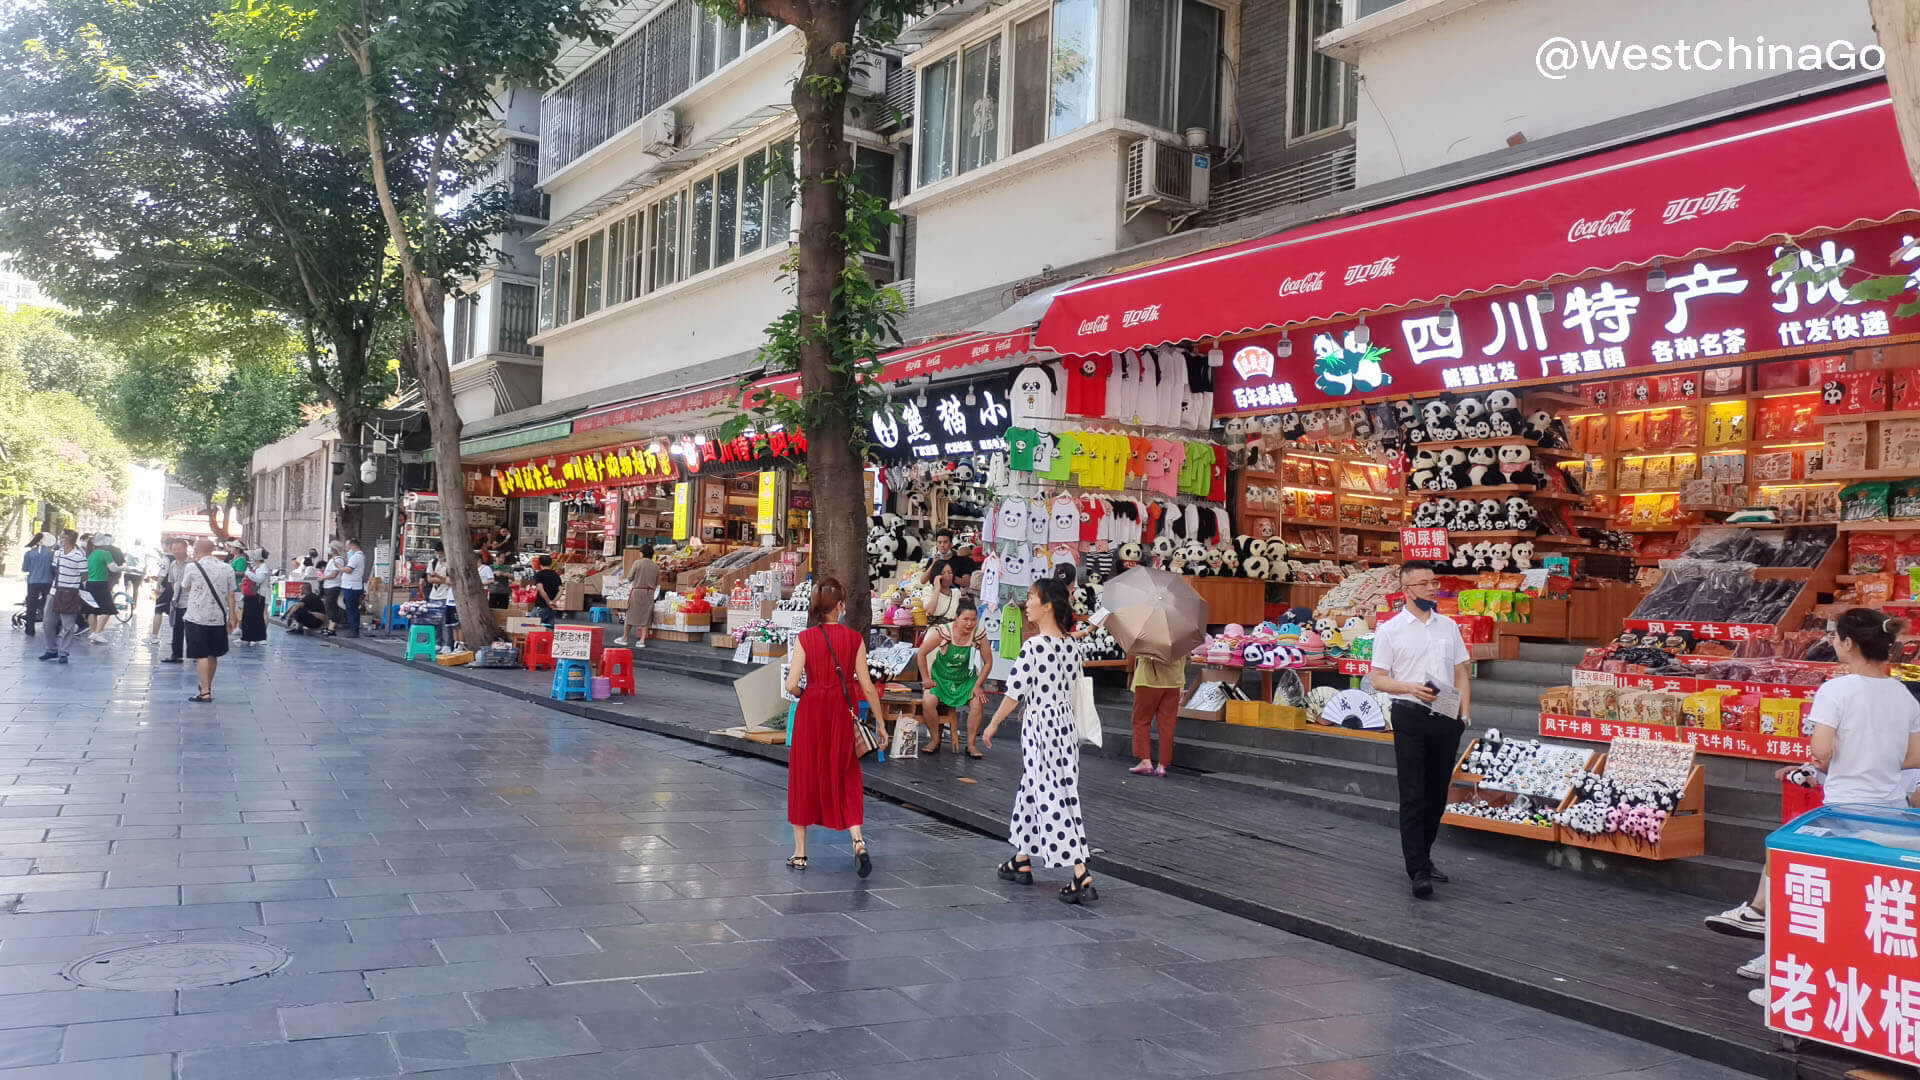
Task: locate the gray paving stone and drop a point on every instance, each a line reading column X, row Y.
column 30, row 1046
column 632, row 1030
column 349, row 1058
column 171, row 1034
column 654, row 934
column 962, row 1036
column 184, row 917
column 573, row 999
column 453, row 978
column 846, row 1008
column 277, row 990
column 678, row 1062
column 867, row 974
column 362, row 956
column 374, row 1017
column 350, row 907
column 97, row 899
column 615, row 963
column 82, row 1006
column 467, row 924
column 517, row 1040
column 56, row 924
column 805, row 1051
column 254, row 891
column 146, row 1067
column 398, row 883
column 974, row 1067
column 481, row 900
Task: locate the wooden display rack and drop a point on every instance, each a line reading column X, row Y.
column 1682, row 837
column 1471, row 781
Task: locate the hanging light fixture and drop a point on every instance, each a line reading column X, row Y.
column 1657, row 278
column 1361, row 335
column 1447, row 318
column 1216, row 356
column 1543, row 300
column 1283, row 348
column 970, row 397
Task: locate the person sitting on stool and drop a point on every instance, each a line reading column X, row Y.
column 1416, row 654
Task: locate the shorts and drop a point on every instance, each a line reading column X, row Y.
column 102, row 593
column 205, row 642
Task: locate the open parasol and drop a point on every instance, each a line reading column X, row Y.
column 1154, row 613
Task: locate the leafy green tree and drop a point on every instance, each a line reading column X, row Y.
column 52, row 356
column 55, row 452
column 139, row 179
column 412, row 85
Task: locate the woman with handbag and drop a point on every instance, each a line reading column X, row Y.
column 826, row 741
column 254, row 582
column 1047, row 820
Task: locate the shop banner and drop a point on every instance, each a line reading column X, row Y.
column 747, row 452
column 707, row 400
column 610, row 524
column 1713, row 307
column 1752, row 745
column 1348, row 665
column 1709, row 630
column 1841, row 951
column 682, row 509
column 1821, row 163
column 572, row 643
column 946, row 426
column 767, row 504
column 1423, row 544
column 622, row 465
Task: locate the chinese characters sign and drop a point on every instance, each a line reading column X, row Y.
column 1713, row 306
column 947, row 425
column 767, row 503
column 1841, row 949
column 1423, row 544
column 1754, row 745
column 682, row 509
column 613, row 466
column 573, row 643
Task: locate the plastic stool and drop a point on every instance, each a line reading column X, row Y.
column 571, row 679
column 600, row 614
column 422, row 641
column 617, row 666
column 394, row 620
column 538, row 655
column 602, row 690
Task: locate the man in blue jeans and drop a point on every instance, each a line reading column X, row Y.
column 352, row 585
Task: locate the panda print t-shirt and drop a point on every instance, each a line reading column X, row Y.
column 1064, row 525
column 1036, row 394
column 1087, row 385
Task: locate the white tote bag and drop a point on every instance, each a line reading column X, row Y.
column 1086, row 718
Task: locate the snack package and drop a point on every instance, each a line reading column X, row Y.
column 1726, row 423
column 1686, row 427
column 1869, row 553
column 1904, row 390
column 1854, row 392
column 1904, row 564
column 1900, row 444
column 1903, row 500
column 1669, row 509
column 1864, row 502
column 1598, row 476
column 1823, row 503
column 1723, row 380
column 1631, row 469
column 1776, row 417
column 1599, row 434
column 1701, row 710
column 1656, row 473
column 1630, row 431
column 1623, row 512
column 1739, row 712
column 1646, row 511
column 1845, row 449
column 1781, row 716
column 1686, row 468
column 1323, row 508
column 1659, row 430
column 1781, row 374
column 1773, row 466
column 1577, row 433
column 1635, row 392
column 1322, row 472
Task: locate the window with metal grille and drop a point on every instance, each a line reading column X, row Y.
column 516, row 317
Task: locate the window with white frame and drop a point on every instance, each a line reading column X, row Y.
column 734, row 211
column 1322, row 91
column 972, row 114
column 1173, row 63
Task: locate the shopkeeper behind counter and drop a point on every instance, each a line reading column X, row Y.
column 945, row 551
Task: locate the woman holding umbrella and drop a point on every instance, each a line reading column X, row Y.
column 1047, row 819
column 1157, row 618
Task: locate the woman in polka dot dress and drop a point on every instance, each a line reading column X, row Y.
column 1046, row 820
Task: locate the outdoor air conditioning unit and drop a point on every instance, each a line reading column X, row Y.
column 867, row 75
column 660, row 132
column 1169, row 178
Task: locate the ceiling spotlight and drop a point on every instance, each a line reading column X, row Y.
column 1447, row 318
column 1283, row 348
column 1360, row 334
column 1657, row 278
column 970, row 398
column 1543, row 300
column 1216, row 356
column 922, row 399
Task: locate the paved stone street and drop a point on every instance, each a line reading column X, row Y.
column 476, row 888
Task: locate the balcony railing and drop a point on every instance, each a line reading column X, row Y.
column 1302, row 181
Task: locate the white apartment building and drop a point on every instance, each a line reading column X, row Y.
column 17, row 291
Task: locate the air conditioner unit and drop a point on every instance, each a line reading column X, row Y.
column 660, row 132
column 867, row 75
column 1169, row 178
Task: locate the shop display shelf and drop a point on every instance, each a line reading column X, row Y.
column 1554, row 397
column 1826, row 477
column 1682, row 837
column 1877, row 526
column 1362, row 526
column 1855, row 418
column 1544, row 453
column 1462, row 779
column 1784, row 573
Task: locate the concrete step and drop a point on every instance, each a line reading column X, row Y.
column 1315, row 772
column 1529, row 672
column 1735, row 837
column 1505, row 693
column 1552, row 652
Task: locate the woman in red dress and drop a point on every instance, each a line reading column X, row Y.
column 823, row 772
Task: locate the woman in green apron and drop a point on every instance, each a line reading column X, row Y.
column 954, row 662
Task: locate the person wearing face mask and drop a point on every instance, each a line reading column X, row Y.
column 1420, row 660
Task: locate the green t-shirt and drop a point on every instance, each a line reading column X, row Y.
column 239, row 564
column 1010, row 625
column 97, row 563
column 1064, row 449
column 1020, row 445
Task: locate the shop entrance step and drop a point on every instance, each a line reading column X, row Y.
column 1541, row 673
column 1560, row 653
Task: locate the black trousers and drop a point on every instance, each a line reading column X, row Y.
column 36, row 604
column 1425, row 747
column 179, row 618
column 335, row 613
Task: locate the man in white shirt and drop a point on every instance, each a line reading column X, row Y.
column 353, row 584
column 1419, row 659
column 65, row 612
column 331, row 573
column 207, row 584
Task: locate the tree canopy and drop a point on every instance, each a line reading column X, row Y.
column 54, row 449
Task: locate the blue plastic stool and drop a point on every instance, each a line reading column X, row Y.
column 394, row 620
column 600, row 614
column 422, row 641
column 572, row 678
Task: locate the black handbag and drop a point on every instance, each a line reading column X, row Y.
column 866, row 733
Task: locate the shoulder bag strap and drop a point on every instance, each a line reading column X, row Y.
column 838, row 670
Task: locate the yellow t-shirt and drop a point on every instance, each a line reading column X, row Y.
column 1149, row 672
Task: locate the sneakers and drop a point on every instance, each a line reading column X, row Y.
column 1145, row 768
column 620, row 641
column 1755, row 968
column 1758, row 995
column 49, row 655
column 96, row 639
column 639, row 644
column 1741, row 921
column 1159, row 770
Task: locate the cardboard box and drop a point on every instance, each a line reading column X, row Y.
column 519, row 609
column 665, row 620
column 768, row 650
column 522, row 624
column 573, row 597
column 454, row 659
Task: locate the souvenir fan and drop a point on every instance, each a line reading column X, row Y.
column 1318, row 698
column 1354, row 709
column 1287, row 690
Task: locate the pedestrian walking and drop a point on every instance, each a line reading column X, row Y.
column 440, row 591
column 102, row 571
column 66, row 616
column 1047, row 820
column 332, row 571
column 163, row 564
column 953, row 660
column 823, row 767
column 1865, row 729
column 1421, row 662
column 253, row 599
column 1157, row 686
column 353, row 585
column 37, row 563
column 133, row 574
column 643, row 580
column 210, row 615
column 180, row 557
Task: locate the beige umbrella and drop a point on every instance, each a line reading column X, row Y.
column 1153, row 613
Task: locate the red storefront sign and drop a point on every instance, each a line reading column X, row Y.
column 1708, row 630
column 1741, row 744
column 614, row 466
column 955, row 353
column 1423, row 544
column 705, row 400
column 1841, row 953
column 1348, row 665
column 1713, row 306
column 1738, row 182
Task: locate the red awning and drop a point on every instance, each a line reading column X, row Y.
column 703, row 399
column 933, row 358
column 1827, row 163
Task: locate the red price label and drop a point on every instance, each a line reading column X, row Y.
column 1351, row 666
column 1423, row 543
column 1841, row 945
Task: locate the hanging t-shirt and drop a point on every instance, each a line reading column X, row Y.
column 1021, row 443
column 988, row 527
column 1063, row 521
column 1035, row 394
column 1121, row 378
column 1137, row 448
column 1045, row 446
column 1195, row 470
column 1199, row 393
column 1093, row 514
column 1010, row 620
column 1015, row 567
column 1087, row 385
column 1062, row 555
column 1217, row 477
column 1066, row 451
column 1163, row 467
column 1039, row 525
column 1013, row 520
column 990, row 579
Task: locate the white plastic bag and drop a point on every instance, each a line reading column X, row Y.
column 1086, row 717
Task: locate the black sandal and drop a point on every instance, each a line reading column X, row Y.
column 974, row 754
column 796, row 862
column 1020, row 870
column 1081, row 891
column 201, row 697
column 861, row 864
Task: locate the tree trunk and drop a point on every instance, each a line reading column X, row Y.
column 12, row 524
column 212, row 514
column 835, row 474
column 1897, row 22
column 226, row 515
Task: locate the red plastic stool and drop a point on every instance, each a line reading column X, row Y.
column 616, row 666
column 538, row 655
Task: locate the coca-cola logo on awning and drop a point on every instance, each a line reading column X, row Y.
column 1305, row 283
column 1614, row 224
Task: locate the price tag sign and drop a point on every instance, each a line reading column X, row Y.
column 572, row 643
column 743, row 653
column 1428, row 544
column 1350, row 666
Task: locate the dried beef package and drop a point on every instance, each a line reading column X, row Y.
column 1671, row 598
column 1805, row 546
column 1723, row 592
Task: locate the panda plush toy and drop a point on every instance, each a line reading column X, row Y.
column 1516, row 465
column 1453, row 469
column 1424, row 474
column 1437, row 417
column 1412, row 427
column 1481, row 467
column 1470, row 419
column 1520, row 515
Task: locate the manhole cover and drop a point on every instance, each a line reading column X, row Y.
column 183, row 965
